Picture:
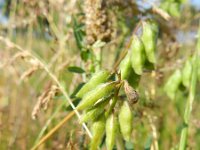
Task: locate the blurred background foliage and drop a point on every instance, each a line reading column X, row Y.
column 48, row 29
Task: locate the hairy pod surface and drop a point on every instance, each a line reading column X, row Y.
column 137, row 54
column 173, row 84
column 98, row 129
column 92, row 114
column 111, row 131
column 186, row 73
column 97, row 78
column 125, row 121
column 95, row 112
column 125, row 67
column 93, row 96
column 149, row 40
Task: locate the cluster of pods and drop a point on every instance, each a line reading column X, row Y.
column 101, row 104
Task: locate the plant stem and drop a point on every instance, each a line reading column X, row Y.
column 49, row 121
column 192, row 90
column 54, row 78
column 54, row 130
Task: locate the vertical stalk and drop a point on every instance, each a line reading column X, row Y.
column 192, row 90
column 98, row 54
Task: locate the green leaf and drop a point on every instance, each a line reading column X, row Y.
column 78, row 33
column 129, row 146
column 75, row 69
column 73, row 95
column 85, row 55
column 148, row 143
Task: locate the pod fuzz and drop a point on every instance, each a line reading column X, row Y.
column 125, row 121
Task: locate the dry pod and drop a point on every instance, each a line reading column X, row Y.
column 173, row 83
column 125, row 121
column 131, row 94
column 125, row 67
column 111, row 131
column 97, row 78
column 93, row 96
column 149, row 40
column 98, row 129
column 137, row 54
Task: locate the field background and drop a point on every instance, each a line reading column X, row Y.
column 46, row 30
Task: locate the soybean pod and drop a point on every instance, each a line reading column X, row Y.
column 93, row 96
column 111, row 131
column 96, row 111
column 97, row 78
column 98, row 129
column 125, row 67
column 186, row 73
column 149, row 40
column 137, row 54
column 173, row 84
column 125, row 121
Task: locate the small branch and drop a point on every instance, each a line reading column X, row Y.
column 125, row 51
column 54, row 130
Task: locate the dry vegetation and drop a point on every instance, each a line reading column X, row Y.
column 38, row 44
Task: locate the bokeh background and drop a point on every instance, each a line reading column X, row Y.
column 46, row 28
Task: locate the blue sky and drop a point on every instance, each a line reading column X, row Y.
column 196, row 3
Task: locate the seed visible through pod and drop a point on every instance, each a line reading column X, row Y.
column 131, row 94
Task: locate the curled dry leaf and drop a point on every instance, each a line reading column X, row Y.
column 131, row 94
column 44, row 100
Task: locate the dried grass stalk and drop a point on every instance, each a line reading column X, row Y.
column 98, row 26
column 44, row 100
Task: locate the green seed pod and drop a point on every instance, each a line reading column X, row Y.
column 125, row 67
column 111, row 131
column 125, row 121
column 93, row 96
column 173, row 84
column 97, row 78
column 149, row 40
column 92, row 114
column 174, row 9
column 98, row 129
column 133, row 79
column 137, row 54
column 186, row 73
column 165, row 5
column 198, row 70
column 96, row 111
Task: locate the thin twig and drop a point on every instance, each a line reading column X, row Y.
column 54, row 130
column 125, row 51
